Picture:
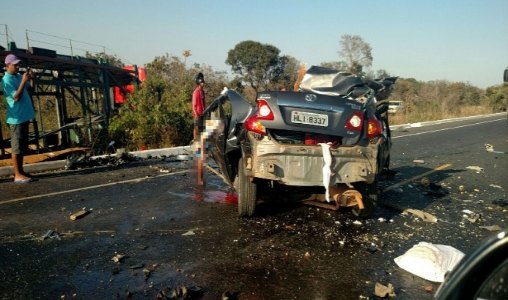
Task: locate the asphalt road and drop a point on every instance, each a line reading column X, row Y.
column 173, row 234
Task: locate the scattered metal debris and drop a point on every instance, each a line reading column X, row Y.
column 471, row 216
column 86, row 161
column 422, row 215
column 181, row 292
column 51, row 234
column 118, row 258
column 383, row 291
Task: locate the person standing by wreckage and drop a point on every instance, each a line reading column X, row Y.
column 20, row 112
column 198, row 103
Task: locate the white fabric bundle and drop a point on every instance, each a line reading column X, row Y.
column 429, row 261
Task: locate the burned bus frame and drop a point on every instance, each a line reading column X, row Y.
column 69, row 78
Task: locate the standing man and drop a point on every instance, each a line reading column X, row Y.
column 198, row 102
column 20, row 112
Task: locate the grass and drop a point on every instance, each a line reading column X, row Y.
column 419, row 116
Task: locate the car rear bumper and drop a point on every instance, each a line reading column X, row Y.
column 302, row 165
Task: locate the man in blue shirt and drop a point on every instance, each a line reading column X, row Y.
column 20, row 112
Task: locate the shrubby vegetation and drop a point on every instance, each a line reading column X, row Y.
column 159, row 114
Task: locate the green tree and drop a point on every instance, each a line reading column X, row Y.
column 335, row 65
column 255, row 64
column 288, row 73
column 159, row 113
column 109, row 58
column 356, row 52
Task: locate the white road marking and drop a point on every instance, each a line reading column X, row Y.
column 444, row 129
column 90, row 187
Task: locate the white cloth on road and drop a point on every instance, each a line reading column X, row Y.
column 429, row 261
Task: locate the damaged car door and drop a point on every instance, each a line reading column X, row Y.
column 231, row 109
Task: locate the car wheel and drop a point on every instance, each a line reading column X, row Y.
column 370, row 195
column 247, row 192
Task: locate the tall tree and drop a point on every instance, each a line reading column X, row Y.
column 356, row 52
column 255, row 64
column 288, row 73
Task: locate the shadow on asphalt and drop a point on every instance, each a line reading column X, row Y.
column 418, row 193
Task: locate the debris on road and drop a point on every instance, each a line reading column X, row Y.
column 490, row 148
column 51, row 234
column 146, row 273
column 383, row 291
column 475, row 168
column 421, row 214
column 372, row 248
column 418, row 161
column 471, row 216
column 181, row 292
column 227, row 295
column 495, row 186
column 190, row 232
column 429, row 288
column 166, row 170
column 118, row 258
column 492, row 228
column 359, row 223
column 136, row 266
column 429, row 261
column 500, row 202
column 78, row 215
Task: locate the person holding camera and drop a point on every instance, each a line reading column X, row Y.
column 20, row 112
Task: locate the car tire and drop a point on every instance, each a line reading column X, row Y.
column 370, row 195
column 247, row 192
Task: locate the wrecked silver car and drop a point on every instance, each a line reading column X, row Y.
column 332, row 133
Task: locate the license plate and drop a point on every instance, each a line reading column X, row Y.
column 307, row 118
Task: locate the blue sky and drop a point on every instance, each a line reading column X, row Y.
column 426, row 40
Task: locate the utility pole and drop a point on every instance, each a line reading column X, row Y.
column 27, row 42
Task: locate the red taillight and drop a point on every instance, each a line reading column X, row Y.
column 264, row 110
column 355, row 122
column 254, row 124
column 373, row 128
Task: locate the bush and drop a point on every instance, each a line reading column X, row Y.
column 159, row 114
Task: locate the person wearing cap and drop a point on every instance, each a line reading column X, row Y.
column 20, row 112
column 198, row 102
